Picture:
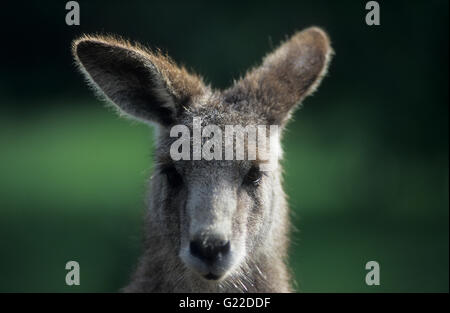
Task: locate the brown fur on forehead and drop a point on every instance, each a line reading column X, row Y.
column 213, row 109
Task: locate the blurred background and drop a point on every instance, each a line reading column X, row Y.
column 366, row 159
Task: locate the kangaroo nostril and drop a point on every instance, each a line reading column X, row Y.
column 209, row 251
column 196, row 248
column 225, row 248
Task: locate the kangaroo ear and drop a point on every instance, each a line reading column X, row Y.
column 145, row 85
column 286, row 76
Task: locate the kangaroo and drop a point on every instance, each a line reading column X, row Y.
column 211, row 225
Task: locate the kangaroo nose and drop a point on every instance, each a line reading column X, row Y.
column 209, row 250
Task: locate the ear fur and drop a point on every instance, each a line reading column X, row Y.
column 286, row 76
column 143, row 84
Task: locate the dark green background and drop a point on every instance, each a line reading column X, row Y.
column 366, row 159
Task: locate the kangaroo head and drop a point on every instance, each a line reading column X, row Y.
column 218, row 211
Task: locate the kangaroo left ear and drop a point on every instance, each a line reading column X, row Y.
column 145, row 85
column 286, row 76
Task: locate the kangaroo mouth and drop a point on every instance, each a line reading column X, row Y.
column 206, row 270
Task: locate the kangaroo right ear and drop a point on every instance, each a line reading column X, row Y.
column 145, row 85
column 286, row 76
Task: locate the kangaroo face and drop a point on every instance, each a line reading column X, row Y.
column 219, row 211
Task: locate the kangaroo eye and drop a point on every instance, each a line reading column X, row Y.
column 173, row 177
column 253, row 177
